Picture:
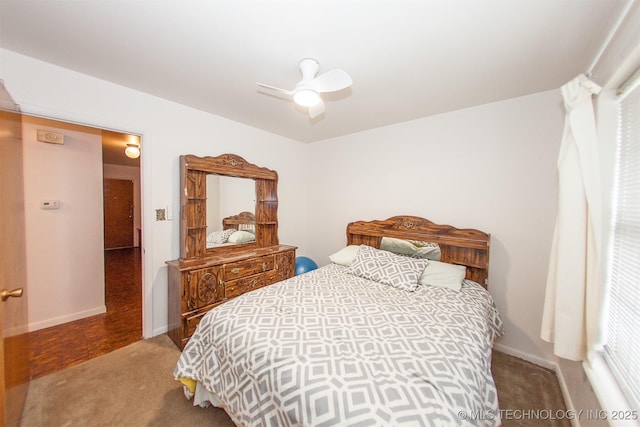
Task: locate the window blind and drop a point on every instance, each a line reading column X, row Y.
column 622, row 344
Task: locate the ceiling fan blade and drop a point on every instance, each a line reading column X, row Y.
column 277, row 89
column 331, row 81
column 316, row 110
column 309, row 69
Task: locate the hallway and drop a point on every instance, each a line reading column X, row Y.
column 61, row 346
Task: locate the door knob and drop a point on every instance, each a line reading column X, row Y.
column 4, row 295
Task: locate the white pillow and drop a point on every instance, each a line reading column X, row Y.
column 345, row 255
column 443, row 275
column 241, row 236
column 219, row 237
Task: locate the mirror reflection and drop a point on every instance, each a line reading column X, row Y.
column 230, row 210
column 411, row 248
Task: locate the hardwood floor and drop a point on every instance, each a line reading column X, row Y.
column 61, row 346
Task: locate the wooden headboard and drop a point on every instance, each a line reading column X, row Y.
column 236, row 221
column 466, row 247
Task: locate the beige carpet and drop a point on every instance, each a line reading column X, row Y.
column 130, row 387
column 134, row 386
column 529, row 395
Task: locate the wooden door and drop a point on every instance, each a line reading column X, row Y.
column 14, row 341
column 118, row 213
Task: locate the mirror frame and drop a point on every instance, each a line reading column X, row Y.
column 193, row 199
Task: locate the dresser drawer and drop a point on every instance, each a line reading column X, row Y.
column 234, row 288
column 248, row 267
column 191, row 322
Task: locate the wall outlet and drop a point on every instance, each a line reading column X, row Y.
column 160, row 215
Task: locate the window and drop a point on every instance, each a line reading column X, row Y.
column 622, row 344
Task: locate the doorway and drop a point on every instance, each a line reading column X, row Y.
column 122, row 232
column 88, row 335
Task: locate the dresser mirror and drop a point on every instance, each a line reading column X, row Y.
column 229, row 198
column 226, row 205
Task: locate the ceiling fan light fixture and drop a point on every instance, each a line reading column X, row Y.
column 132, row 151
column 306, row 97
column 307, row 92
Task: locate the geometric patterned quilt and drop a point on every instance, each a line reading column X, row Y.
column 328, row 348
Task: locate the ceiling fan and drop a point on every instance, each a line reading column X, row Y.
column 307, row 91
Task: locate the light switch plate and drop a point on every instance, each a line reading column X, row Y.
column 50, row 204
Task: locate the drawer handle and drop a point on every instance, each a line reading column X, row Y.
column 253, row 282
column 235, row 270
column 264, row 266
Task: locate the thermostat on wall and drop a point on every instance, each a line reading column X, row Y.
column 50, row 204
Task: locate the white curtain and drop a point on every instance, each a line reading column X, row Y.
column 570, row 316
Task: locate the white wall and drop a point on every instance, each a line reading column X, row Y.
column 65, row 262
column 133, row 174
column 168, row 130
column 491, row 167
column 499, row 176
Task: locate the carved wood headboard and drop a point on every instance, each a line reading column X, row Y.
column 239, row 221
column 468, row 247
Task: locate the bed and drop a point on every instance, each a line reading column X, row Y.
column 373, row 338
column 236, row 229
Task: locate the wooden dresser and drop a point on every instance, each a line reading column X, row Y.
column 195, row 287
column 206, row 275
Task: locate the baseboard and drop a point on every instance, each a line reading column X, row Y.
column 575, row 422
column 34, row 326
column 528, row 357
column 548, row 365
column 159, row 331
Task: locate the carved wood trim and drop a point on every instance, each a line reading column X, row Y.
column 229, row 164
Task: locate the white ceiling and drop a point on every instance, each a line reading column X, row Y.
column 407, row 59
